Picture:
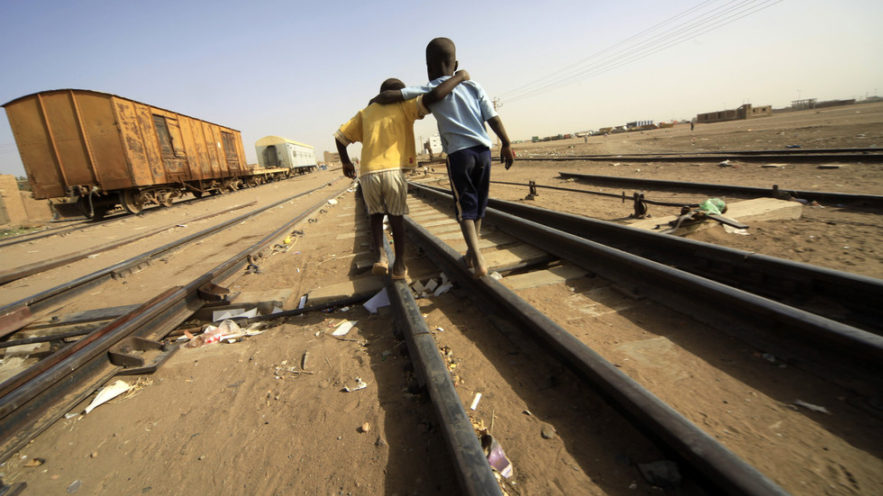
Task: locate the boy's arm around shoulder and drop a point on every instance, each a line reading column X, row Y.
column 506, row 154
column 436, row 94
column 445, row 88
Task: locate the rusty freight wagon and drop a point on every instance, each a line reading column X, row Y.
column 93, row 152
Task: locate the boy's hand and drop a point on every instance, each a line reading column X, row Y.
column 349, row 170
column 507, row 156
column 463, row 74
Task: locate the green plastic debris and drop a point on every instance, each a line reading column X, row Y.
column 713, row 206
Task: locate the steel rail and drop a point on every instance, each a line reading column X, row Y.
column 783, row 280
column 717, row 466
column 474, row 472
column 15, row 315
column 805, row 156
column 35, row 398
column 42, row 266
column 621, row 196
column 820, row 345
column 821, row 196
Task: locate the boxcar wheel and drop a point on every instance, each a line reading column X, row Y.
column 131, row 201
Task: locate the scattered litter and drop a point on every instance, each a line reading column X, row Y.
column 439, row 328
column 662, row 473
column 792, row 146
column 735, row 230
column 180, row 225
column 773, row 166
column 811, row 407
column 332, row 201
column 34, row 462
column 725, row 163
column 344, row 328
column 108, row 393
column 527, row 412
column 366, row 427
column 418, row 287
column 431, row 285
column 303, row 361
column 496, row 275
column 303, row 301
column 345, row 309
column 444, row 288
column 219, row 315
column 475, row 401
column 379, row 300
column 360, row 384
column 74, row 487
column 68, row 416
column 496, row 456
column 276, row 309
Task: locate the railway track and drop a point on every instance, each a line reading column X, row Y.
column 842, row 296
column 17, row 314
column 35, row 398
column 851, row 155
column 593, row 308
column 721, row 471
column 874, row 201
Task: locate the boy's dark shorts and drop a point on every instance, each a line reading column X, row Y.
column 469, row 171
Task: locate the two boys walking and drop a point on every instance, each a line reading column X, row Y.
column 385, row 129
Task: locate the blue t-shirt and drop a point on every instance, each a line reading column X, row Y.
column 460, row 115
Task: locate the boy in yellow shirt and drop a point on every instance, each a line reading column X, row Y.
column 387, row 136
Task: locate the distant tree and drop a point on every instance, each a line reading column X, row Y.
column 23, row 183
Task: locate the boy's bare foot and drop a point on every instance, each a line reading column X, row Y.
column 399, row 272
column 469, row 260
column 479, row 266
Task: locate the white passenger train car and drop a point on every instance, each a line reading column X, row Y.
column 275, row 151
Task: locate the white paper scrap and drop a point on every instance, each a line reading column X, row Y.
column 344, row 328
column 475, row 401
column 237, row 312
column 108, row 393
column 360, row 384
column 444, row 288
column 381, row 299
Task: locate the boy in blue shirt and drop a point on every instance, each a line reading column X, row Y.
column 461, row 117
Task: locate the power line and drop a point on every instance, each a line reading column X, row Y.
column 684, row 31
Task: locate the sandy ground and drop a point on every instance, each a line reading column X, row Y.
column 250, row 418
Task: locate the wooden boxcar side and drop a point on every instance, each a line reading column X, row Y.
column 77, row 142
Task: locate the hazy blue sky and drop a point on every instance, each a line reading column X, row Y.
column 300, row 69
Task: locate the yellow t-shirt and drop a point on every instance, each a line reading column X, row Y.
column 386, row 133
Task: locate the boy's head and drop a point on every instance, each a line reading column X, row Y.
column 441, row 58
column 391, row 84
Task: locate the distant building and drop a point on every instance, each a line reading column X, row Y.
column 332, row 158
column 746, row 111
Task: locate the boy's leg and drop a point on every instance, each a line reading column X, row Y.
column 470, row 234
column 377, row 243
column 398, row 236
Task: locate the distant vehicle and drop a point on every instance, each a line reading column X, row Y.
column 91, row 152
column 275, row 151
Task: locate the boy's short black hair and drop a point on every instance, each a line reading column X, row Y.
column 392, row 84
column 441, row 50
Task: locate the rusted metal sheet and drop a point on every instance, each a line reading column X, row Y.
column 99, row 127
column 77, row 140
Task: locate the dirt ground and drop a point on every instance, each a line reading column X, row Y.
column 252, row 418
